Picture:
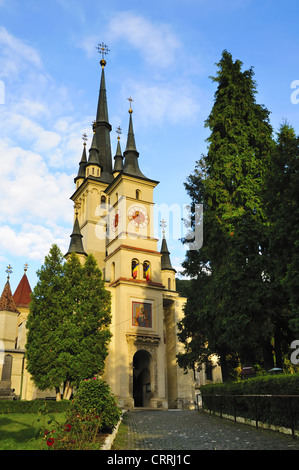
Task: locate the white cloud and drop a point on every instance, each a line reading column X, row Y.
column 156, row 42
column 30, row 191
column 38, row 145
column 16, row 55
column 30, row 241
column 157, row 103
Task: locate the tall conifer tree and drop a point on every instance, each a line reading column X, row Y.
column 229, row 182
column 68, row 323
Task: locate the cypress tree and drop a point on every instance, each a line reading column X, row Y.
column 230, row 183
column 68, row 323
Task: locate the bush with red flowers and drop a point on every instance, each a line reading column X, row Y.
column 92, row 414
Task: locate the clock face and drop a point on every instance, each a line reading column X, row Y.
column 138, row 216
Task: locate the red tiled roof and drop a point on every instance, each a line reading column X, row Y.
column 7, row 303
column 22, row 294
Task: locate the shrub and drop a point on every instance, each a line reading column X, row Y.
column 92, row 414
column 33, row 406
column 275, row 410
column 94, row 399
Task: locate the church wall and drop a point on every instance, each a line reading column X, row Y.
column 129, row 337
column 9, row 328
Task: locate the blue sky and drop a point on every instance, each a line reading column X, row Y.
column 162, row 53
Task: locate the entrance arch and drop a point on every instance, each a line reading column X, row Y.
column 142, row 378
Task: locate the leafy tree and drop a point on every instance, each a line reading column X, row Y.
column 68, row 323
column 229, row 182
column 283, row 214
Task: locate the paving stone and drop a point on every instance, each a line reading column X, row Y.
column 196, row 430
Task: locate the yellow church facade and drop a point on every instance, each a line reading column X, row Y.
column 114, row 221
column 114, row 207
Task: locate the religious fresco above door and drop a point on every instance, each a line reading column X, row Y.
column 142, row 314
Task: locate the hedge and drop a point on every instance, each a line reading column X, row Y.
column 14, row 406
column 271, row 410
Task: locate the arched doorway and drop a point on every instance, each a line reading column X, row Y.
column 142, row 388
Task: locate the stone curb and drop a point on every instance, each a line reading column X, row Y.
column 110, row 438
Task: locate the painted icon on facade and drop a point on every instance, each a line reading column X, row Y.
column 142, row 314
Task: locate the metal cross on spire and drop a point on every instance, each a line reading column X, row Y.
column 118, row 131
column 163, row 225
column 131, row 101
column 84, row 138
column 103, row 49
column 8, row 271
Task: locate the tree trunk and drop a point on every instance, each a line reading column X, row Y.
column 268, row 355
column 67, row 390
column 69, row 394
column 58, row 396
column 224, row 368
column 277, row 348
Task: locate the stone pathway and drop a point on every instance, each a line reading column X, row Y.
column 195, row 430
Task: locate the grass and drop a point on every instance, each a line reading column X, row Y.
column 18, row 431
column 121, row 441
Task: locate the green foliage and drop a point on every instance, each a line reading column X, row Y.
column 273, row 411
column 91, row 415
column 68, row 323
column 32, row 406
column 245, row 282
column 94, row 399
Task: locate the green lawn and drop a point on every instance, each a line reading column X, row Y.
column 18, row 431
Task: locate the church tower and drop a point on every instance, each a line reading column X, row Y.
column 114, row 206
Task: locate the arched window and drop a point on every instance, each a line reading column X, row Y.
column 169, row 283
column 138, row 194
column 135, row 264
column 112, row 272
column 146, row 270
column 103, row 200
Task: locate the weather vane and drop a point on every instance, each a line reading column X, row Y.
column 118, row 131
column 26, row 267
column 131, row 101
column 8, row 271
column 103, row 49
column 163, row 225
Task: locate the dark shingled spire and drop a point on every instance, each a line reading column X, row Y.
column 118, row 159
column 165, row 259
column 94, row 151
column 76, row 245
column 131, row 166
column 102, row 132
column 82, row 164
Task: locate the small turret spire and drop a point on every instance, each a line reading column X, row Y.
column 131, row 154
column 118, row 159
column 82, row 164
column 165, row 259
column 6, row 300
column 76, row 244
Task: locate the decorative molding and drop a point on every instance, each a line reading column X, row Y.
column 147, row 343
